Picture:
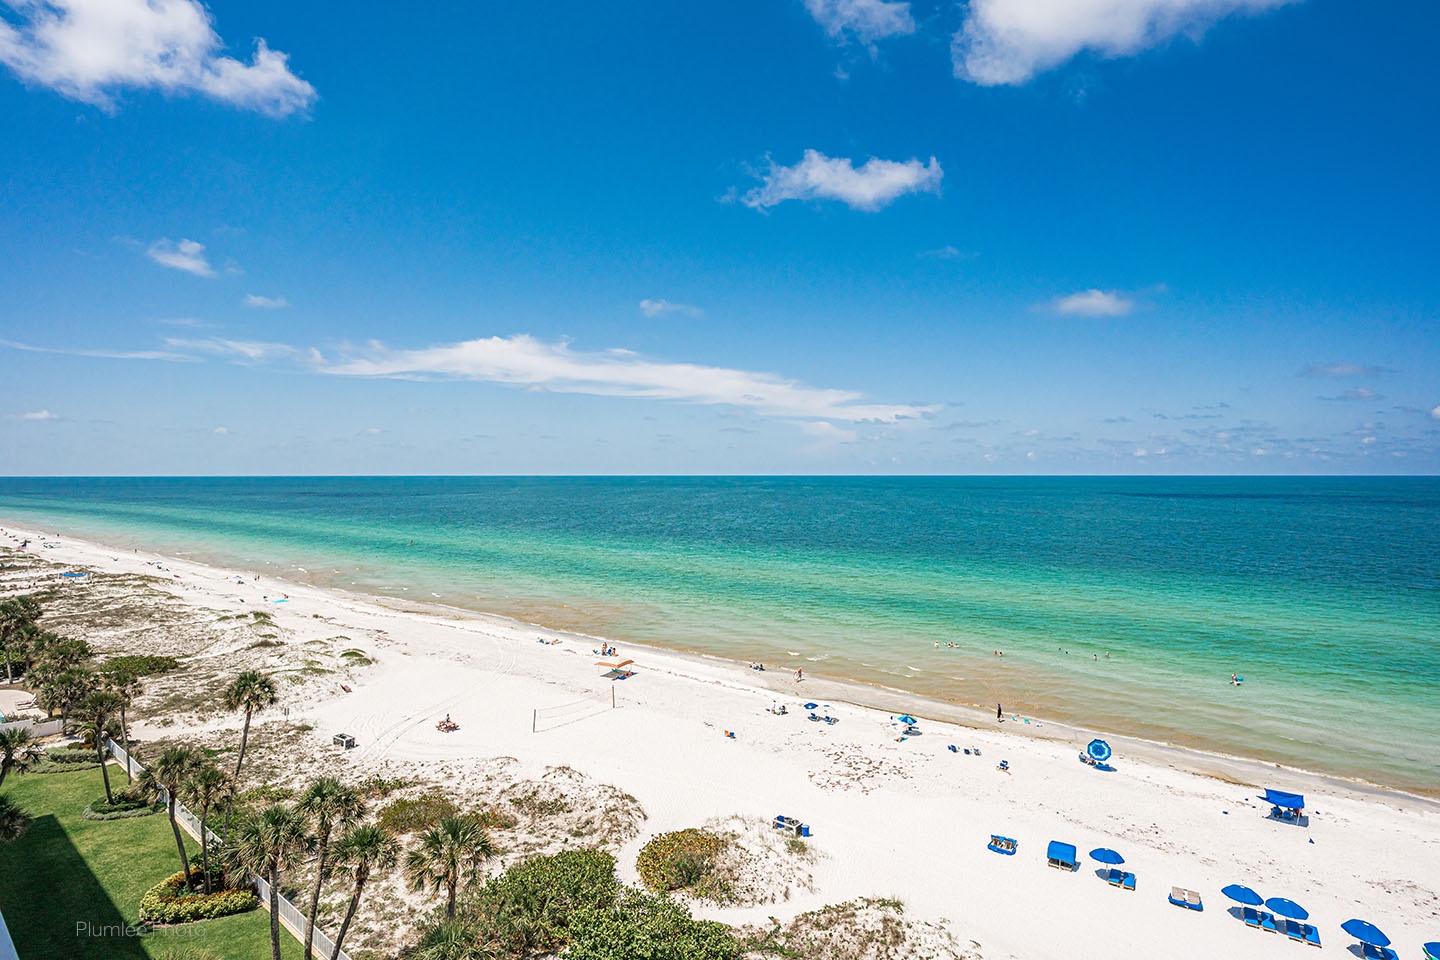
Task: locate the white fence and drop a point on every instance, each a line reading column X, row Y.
column 290, row 915
column 37, row 728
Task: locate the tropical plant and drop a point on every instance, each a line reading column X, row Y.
column 126, row 686
column 17, row 751
column 61, row 688
column 166, row 776
column 165, row 903
column 16, row 614
column 13, row 820
column 451, row 939
column 329, row 804
column 530, row 908
column 99, row 711
column 206, row 787
column 269, row 843
column 252, row 692
column 449, row 855
column 362, row 852
column 656, row 928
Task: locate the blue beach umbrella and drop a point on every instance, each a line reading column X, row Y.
column 1432, row 950
column 811, row 706
column 906, row 718
column 1106, row 855
column 1365, row 933
column 1243, row 894
column 1287, row 908
column 1098, row 750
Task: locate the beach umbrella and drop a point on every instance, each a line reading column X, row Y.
column 906, row 718
column 811, row 706
column 1106, row 855
column 1287, row 908
column 1098, row 750
column 1432, row 950
column 1243, row 894
column 1365, row 932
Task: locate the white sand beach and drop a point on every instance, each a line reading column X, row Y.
column 905, row 819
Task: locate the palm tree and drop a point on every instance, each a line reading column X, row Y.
column 127, row 687
column 269, row 843
column 454, row 940
column 17, row 751
column 16, row 614
column 99, row 710
column 329, row 804
column 167, row 774
column 362, row 851
column 252, row 692
column 62, row 688
column 206, row 787
column 13, row 820
column 449, row 854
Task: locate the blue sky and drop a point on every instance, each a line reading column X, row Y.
column 792, row 236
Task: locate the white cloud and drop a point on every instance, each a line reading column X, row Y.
column 268, row 303
column 1341, row 370
column 252, row 351
column 947, row 252
column 1435, row 414
column 1093, row 303
column 186, row 255
column 524, row 361
column 828, row 433
column 1357, row 394
column 36, row 415
column 1010, row 41
column 867, row 20
column 818, row 177
column 88, row 50
column 105, row 354
column 655, row 308
column 221, row 431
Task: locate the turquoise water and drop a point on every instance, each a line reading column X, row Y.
column 1122, row 604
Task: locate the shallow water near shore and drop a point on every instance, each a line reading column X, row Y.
column 1121, row 604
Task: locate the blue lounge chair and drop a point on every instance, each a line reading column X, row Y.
column 1062, row 856
column 1258, row 919
column 1432, row 950
column 1295, row 930
column 1371, row 952
column 1119, row 878
column 1005, row 845
column 815, row 717
column 1188, row 899
column 1312, row 936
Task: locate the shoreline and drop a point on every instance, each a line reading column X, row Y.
column 895, row 817
column 1232, row 767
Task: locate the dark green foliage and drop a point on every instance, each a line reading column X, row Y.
column 413, row 814
column 70, row 755
column 139, row 665
column 655, row 928
column 13, row 820
column 166, row 902
column 530, row 908
column 122, row 809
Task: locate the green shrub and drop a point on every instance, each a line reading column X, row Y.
column 656, row 928
column 683, row 860
column 412, row 814
column 70, row 755
column 139, row 665
column 532, row 907
column 356, row 658
column 122, row 809
column 167, row 901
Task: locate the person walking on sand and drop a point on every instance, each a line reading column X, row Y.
column 799, row 674
column 999, row 714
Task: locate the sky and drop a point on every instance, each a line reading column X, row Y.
column 778, row 237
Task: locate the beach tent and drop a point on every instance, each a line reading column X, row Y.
column 1062, row 855
column 616, row 669
column 1285, row 801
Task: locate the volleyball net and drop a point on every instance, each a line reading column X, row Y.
column 549, row 718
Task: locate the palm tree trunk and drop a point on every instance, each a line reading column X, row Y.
column 104, row 768
column 244, row 738
column 205, row 844
column 125, row 735
column 315, row 896
column 4, row 769
column 349, row 912
column 8, row 677
column 274, row 879
column 450, row 906
column 179, row 844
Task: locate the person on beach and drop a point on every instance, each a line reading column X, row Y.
column 799, row 674
column 999, row 714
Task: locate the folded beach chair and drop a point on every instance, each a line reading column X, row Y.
column 999, row 844
column 1189, row 899
column 1062, row 856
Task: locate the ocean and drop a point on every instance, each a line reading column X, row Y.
column 1115, row 604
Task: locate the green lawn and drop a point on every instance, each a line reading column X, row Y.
column 70, row 888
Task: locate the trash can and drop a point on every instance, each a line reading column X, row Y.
column 804, row 829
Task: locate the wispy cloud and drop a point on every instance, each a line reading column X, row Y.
column 656, row 308
column 947, row 252
column 248, row 351
column 873, row 185
column 1357, row 394
column 33, row 415
column 1093, row 303
column 265, row 303
column 89, row 50
column 187, row 255
column 1435, row 413
column 102, row 354
column 866, row 20
column 1341, row 370
column 1010, row 41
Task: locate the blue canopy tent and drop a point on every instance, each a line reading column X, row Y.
column 1374, row 945
column 1289, row 807
column 1062, row 856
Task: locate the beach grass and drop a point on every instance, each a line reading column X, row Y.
column 71, row 887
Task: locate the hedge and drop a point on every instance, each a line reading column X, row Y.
column 71, row 755
column 166, row 903
column 139, row 665
column 122, row 809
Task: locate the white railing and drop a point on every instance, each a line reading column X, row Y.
column 36, row 728
column 290, row 915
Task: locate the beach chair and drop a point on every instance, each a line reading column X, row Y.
column 1258, row 919
column 1119, row 878
column 1312, row 936
column 815, row 717
column 1003, row 845
column 1061, row 856
column 1294, row 930
column 1188, row 899
column 1371, row 952
column 1432, row 950
column 1003, row 766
